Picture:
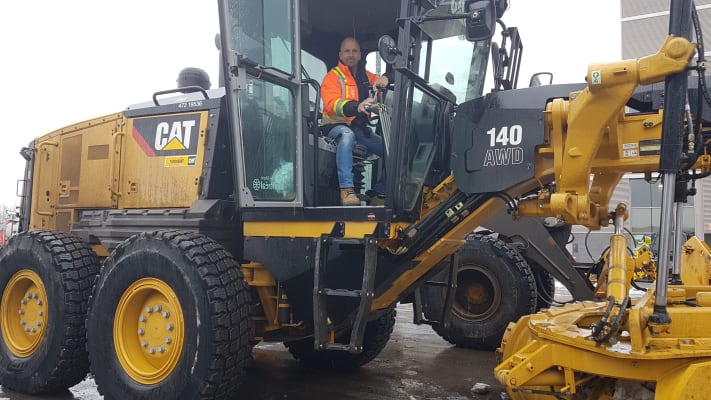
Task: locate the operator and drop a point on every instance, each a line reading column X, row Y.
column 344, row 91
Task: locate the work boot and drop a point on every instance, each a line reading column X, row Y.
column 377, row 201
column 349, row 198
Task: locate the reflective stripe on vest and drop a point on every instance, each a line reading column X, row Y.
column 340, row 116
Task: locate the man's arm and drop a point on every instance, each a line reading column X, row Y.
column 381, row 81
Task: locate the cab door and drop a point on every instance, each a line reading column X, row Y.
column 259, row 39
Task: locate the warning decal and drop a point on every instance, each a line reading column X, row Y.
column 180, row 161
column 596, row 78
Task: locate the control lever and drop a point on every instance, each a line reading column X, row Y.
column 383, row 113
column 374, row 107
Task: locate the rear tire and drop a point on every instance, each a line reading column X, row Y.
column 495, row 286
column 169, row 319
column 376, row 337
column 46, row 280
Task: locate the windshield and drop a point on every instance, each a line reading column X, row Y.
column 465, row 62
column 454, row 63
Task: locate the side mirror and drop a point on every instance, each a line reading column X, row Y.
column 449, row 78
column 541, row 78
column 388, row 49
column 480, row 19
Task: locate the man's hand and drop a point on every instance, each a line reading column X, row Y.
column 382, row 81
column 365, row 103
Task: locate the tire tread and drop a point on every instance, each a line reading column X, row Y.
column 228, row 299
column 78, row 267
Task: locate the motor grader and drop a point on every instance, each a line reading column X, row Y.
column 160, row 243
column 654, row 345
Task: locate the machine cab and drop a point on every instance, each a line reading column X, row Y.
column 275, row 55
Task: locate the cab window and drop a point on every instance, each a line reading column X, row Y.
column 261, row 31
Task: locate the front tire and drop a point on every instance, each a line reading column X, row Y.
column 495, row 286
column 169, row 319
column 46, row 280
column 376, row 337
column 545, row 287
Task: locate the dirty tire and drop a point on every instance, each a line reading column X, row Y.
column 65, row 268
column 377, row 334
column 545, row 286
column 211, row 320
column 495, row 286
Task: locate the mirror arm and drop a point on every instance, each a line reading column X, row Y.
column 424, row 18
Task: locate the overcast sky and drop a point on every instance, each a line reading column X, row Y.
column 68, row 61
column 564, row 36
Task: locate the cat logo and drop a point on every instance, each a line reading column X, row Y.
column 173, row 135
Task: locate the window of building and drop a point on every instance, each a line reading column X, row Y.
column 645, row 208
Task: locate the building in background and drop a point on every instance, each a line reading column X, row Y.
column 645, row 25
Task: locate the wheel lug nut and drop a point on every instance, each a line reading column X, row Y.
column 34, row 330
column 149, row 310
column 39, row 302
column 144, row 343
column 143, row 318
column 152, row 350
column 141, row 331
column 29, row 296
column 40, row 313
column 158, row 308
column 23, row 322
column 39, row 323
column 167, row 340
column 166, row 314
column 27, row 329
column 169, row 327
column 161, row 349
column 23, row 302
column 22, row 312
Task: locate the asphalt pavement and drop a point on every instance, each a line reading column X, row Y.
column 416, row 364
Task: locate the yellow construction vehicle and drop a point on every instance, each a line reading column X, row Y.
column 654, row 346
column 159, row 243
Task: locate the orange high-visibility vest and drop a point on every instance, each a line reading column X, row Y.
column 338, row 88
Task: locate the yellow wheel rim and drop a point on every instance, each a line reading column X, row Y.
column 23, row 313
column 478, row 294
column 148, row 331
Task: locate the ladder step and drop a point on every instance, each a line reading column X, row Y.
column 437, row 284
column 336, row 346
column 340, row 292
column 339, row 241
column 450, row 292
column 361, row 315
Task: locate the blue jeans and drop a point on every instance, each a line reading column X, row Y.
column 347, row 137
